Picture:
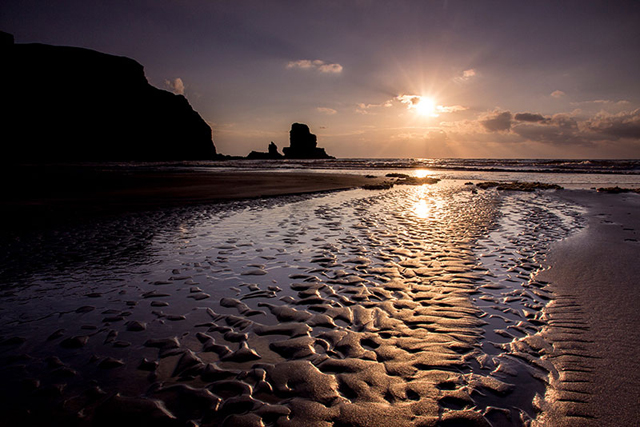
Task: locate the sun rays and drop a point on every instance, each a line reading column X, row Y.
column 424, row 106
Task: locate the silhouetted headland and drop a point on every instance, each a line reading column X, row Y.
column 67, row 104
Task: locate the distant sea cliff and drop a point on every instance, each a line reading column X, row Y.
column 67, row 104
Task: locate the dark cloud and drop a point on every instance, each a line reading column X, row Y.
column 564, row 121
column 497, row 121
column 529, row 117
column 550, row 134
column 560, row 129
column 622, row 125
column 564, row 129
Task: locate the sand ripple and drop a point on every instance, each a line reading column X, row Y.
column 413, row 306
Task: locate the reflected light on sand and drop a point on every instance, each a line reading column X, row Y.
column 421, row 173
column 422, row 209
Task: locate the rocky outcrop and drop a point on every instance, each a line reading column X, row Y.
column 273, row 150
column 273, row 154
column 73, row 104
column 303, row 144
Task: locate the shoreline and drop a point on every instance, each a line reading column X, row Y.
column 594, row 317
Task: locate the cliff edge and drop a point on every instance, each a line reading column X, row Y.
column 66, row 104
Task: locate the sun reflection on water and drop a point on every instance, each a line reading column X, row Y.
column 422, row 209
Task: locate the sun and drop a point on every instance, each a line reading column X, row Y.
column 421, row 105
column 426, row 107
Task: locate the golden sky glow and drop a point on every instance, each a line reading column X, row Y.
column 420, row 104
column 413, row 79
column 426, row 107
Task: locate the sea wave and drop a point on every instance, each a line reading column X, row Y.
column 625, row 167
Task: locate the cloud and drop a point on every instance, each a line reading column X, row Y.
column 303, row 63
column 565, row 129
column 466, row 76
column 176, row 86
column 316, row 64
column 410, row 100
column 330, row 68
column 413, row 101
column 557, row 94
column 363, row 108
column 560, row 129
column 450, row 108
column 497, row 121
column 617, row 126
column 388, row 103
column 529, row 117
column 603, row 102
column 572, row 134
column 325, row 110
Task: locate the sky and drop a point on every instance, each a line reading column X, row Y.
column 374, row 78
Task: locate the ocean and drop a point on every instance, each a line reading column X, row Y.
column 574, row 174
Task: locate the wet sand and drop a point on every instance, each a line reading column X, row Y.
column 595, row 317
column 47, row 195
column 419, row 305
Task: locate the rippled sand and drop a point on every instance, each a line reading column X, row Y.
column 413, row 306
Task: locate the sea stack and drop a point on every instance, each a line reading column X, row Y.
column 68, row 104
column 303, row 144
column 272, row 154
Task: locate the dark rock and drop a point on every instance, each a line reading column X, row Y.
column 273, row 150
column 413, row 180
column 381, row 186
column 617, row 190
column 303, row 144
column 517, row 186
column 273, row 154
column 6, row 39
column 403, row 178
column 72, row 104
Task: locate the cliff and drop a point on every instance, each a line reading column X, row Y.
column 74, row 104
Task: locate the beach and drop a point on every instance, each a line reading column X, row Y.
column 319, row 214
column 273, row 298
column 52, row 193
column 594, row 277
